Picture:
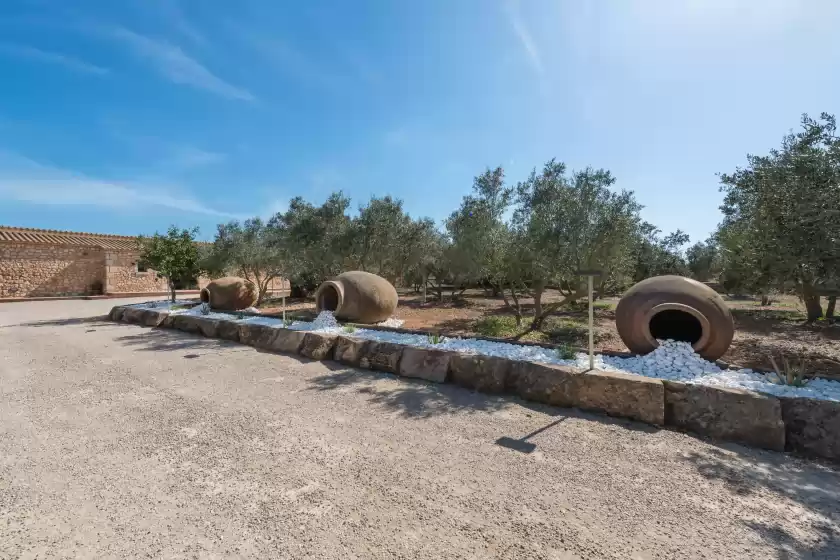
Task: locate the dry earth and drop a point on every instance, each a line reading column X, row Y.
column 760, row 331
column 118, row 441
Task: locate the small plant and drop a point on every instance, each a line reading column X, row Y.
column 349, row 329
column 565, row 352
column 791, row 374
column 288, row 322
column 204, row 309
column 435, row 338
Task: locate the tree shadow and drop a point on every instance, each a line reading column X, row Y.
column 411, row 398
column 812, row 485
column 99, row 320
column 414, row 398
column 165, row 340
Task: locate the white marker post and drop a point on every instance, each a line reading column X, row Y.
column 590, row 274
column 284, row 311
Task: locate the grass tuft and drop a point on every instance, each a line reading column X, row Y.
column 497, row 326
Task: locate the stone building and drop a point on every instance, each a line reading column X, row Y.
column 44, row 263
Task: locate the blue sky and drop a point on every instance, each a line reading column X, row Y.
column 124, row 117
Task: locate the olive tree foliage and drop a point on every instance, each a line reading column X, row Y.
column 386, row 241
column 314, row 241
column 565, row 223
column 478, row 232
column 174, row 255
column 247, row 250
column 703, row 260
column 654, row 255
column 781, row 224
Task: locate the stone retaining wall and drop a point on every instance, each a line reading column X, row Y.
column 806, row 426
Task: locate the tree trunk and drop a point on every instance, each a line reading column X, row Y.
column 541, row 313
column 518, row 307
column 539, row 317
column 172, row 290
column 813, row 307
column 765, row 299
column 832, row 304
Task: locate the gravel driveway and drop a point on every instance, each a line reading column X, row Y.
column 118, row 441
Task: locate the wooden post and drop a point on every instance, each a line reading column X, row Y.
column 590, row 274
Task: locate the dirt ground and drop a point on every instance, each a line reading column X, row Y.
column 118, row 441
column 760, row 330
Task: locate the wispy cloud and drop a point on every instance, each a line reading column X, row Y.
column 525, row 38
column 69, row 62
column 287, row 58
column 25, row 180
column 177, row 66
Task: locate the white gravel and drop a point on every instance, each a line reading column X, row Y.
column 675, row 361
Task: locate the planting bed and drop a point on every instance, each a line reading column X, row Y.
column 672, row 385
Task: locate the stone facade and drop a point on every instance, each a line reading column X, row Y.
column 48, row 263
column 122, row 274
column 34, row 270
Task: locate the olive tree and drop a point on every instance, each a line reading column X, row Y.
column 248, row 250
column 781, row 218
column 570, row 222
column 174, row 255
column 313, row 240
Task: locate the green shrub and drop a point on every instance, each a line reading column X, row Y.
column 497, row 325
column 566, row 352
column 435, row 338
column 349, row 329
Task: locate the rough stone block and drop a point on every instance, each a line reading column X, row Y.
column 258, row 336
column 621, row 394
column 186, row 323
column 812, row 426
column 208, row 327
column 288, row 341
column 116, row 313
column 381, row 356
column 554, row 385
column 133, row 315
column 228, row 330
column 727, row 414
column 151, row 318
column 481, row 373
column 424, row 363
column 317, row 346
column 348, row 350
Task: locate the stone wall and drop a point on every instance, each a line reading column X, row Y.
column 122, row 275
column 38, row 270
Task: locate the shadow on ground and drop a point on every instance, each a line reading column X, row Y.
column 414, row 399
column 814, row 486
column 420, row 399
column 99, row 321
column 165, row 340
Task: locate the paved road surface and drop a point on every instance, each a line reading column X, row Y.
column 118, row 441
